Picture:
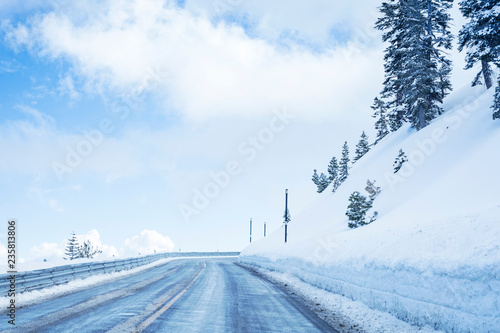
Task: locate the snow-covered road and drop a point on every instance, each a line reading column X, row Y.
column 188, row 295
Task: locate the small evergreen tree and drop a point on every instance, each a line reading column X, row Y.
column 362, row 147
column 72, row 248
column 400, row 160
column 87, row 250
column 381, row 125
column 496, row 103
column 356, row 211
column 344, row 164
column 333, row 172
column 315, row 178
column 336, row 184
column 323, row 183
column 333, row 169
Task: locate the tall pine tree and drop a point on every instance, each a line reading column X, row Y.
column 394, row 32
column 416, row 67
column 344, row 164
column 381, row 125
column 481, row 36
column 362, row 147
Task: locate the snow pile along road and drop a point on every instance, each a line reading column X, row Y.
column 340, row 312
column 433, row 256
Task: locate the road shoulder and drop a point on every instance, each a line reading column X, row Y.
column 341, row 313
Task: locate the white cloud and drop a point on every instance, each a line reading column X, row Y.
column 147, row 242
column 49, row 251
column 9, row 66
column 94, row 237
column 207, row 69
column 67, row 87
column 314, row 21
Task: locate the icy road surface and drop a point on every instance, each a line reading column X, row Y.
column 188, row 295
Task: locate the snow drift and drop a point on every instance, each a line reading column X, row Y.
column 432, row 257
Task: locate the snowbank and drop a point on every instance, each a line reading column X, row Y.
column 340, row 312
column 433, row 255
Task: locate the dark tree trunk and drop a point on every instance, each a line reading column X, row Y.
column 485, row 67
column 421, row 117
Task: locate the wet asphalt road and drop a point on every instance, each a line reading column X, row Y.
column 186, row 295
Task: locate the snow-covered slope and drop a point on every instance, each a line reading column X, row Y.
column 433, row 255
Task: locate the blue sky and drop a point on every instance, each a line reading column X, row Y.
column 115, row 115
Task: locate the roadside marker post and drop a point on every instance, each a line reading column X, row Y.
column 286, row 216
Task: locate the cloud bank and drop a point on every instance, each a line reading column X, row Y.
column 202, row 68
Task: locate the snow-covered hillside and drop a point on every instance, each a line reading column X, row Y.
column 433, row 255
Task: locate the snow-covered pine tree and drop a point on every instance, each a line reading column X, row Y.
column 336, row 184
column 480, row 35
column 362, row 147
column 323, row 183
column 72, row 248
column 400, row 160
column 396, row 118
column 381, row 125
column 344, row 164
column 333, row 173
column 356, row 211
column 391, row 23
column 496, row 103
column 417, row 70
column 427, row 68
column 333, row 168
column 315, row 179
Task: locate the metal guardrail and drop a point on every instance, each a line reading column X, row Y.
column 48, row 277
